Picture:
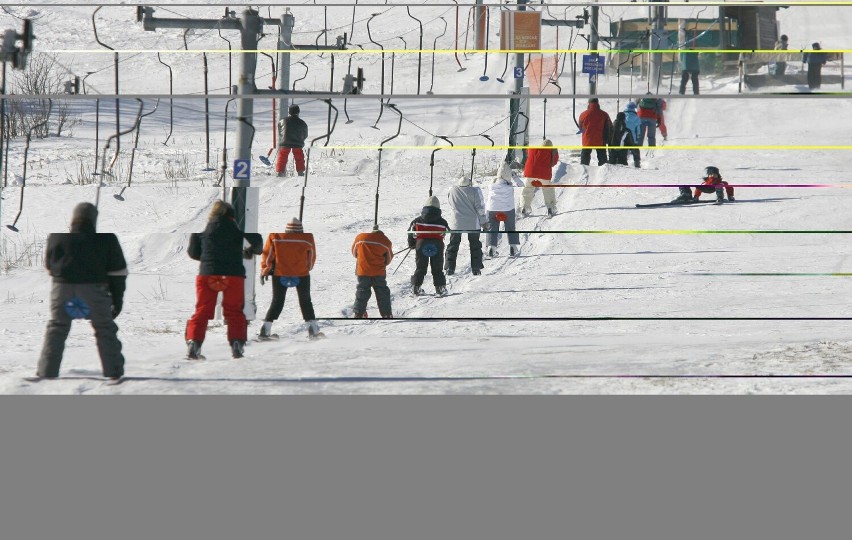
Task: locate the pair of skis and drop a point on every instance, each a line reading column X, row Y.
column 675, row 203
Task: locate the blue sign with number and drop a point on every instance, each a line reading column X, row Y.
column 242, row 169
column 593, row 64
column 519, row 73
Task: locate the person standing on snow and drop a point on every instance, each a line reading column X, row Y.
column 781, row 45
column 539, row 169
column 621, row 137
column 287, row 260
column 815, row 60
column 631, row 120
column 648, row 111
column 468, row 206
column 595, row 125
column 373, row 252
column 690, row 68
column 712, row 183
column 89, row 278
column 428, row 242
column 219, row 248
column 500, row 207
column 292, row 133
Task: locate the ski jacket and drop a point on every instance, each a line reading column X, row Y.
column 649, row 108
column 84, row 256
column 288, row 254
column 501, row 195
column 621, row 135
column 595, row 124
column 468, row 206
column 540, row 162
column 373, row 251
column 689, row 62
column 292, row 132
column 815, row 57
column 429, row 227
column 631, row 120
column 219, row 248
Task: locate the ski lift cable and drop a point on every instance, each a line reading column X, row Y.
column 327, row 137
column 26, row 154
column 135, row 146
column 379, row 174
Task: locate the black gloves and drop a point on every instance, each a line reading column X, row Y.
column 248, row 253
column 116, row 307
column 117, row 285
column 263, row 279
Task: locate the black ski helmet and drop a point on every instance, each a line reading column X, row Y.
column 294, row 110
column 712, row 170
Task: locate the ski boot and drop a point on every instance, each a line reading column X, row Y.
column 720, row 196
column 313, row 330
column 416, row 290
column 514, row 251
column 491, row 252
column 237, row 348
column 193, row 351
column 441, row 290
column 551, row 212
column 685, row 196
column 265, row 333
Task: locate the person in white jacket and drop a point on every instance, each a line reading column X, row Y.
column 468, row 206
column 500, row 206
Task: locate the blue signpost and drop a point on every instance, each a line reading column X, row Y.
column 242, row 169
column 593, row 65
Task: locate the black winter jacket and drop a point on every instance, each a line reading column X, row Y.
column 430, row 226
column 86, row 256
column 294, row 132
column 220, row 248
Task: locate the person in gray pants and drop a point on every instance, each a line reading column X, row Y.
column 89, row 278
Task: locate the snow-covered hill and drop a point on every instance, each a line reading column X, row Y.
column 674, row 291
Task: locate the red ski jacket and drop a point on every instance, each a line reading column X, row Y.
column 540, row 162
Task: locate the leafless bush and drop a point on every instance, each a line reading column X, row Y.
column 43, row 76
column 19, row 252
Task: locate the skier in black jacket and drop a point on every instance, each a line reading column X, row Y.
column 89, row 278
column 292, row 133
column 220, row 250
column 427, row 241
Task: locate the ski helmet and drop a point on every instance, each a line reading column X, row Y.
column 294, row 110
column 712, row 171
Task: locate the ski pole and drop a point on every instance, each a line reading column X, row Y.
column 403, row 260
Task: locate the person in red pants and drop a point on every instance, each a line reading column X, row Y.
column 220, row 250
column 293, row 131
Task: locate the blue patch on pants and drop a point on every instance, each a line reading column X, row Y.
column 77, row 309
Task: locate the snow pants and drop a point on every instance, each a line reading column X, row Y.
column 528, row 193
column 493, row 237
column 279, row 293
column 586, row 156
column 284, row 153
column 96, row 296
column 814, row 75
column 207, row 289
column 685, row 76
column 647, row 126
column 423, row 263
column 363, row 291
column 453, row 251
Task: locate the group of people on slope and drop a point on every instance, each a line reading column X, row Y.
column 639, row 120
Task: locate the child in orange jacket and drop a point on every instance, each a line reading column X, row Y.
column 373, row 252
column 288, row 259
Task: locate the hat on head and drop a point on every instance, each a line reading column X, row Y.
column 593, row 100
column 815, row 45
column 465, row 181
column 294, row 110
column 631, row 106
column 376, row 228
column 505, row 172
column 294, row 226
column 784, row 37
column 85, row 213
column 221, row 209
column 547, row 142
column 432, row 201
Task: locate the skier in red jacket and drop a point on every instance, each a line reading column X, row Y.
column 539, row 169
column 595, row 125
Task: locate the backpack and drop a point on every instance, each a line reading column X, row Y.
column 648, row 103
